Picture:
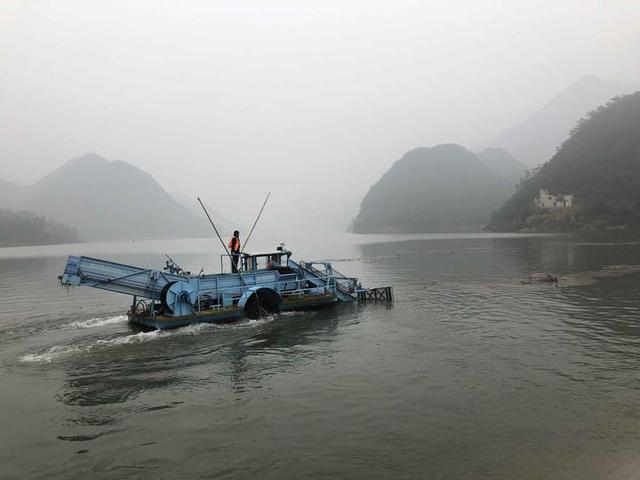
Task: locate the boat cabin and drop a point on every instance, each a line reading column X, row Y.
column 277, row 260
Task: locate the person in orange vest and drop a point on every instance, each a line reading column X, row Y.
column 234, row 249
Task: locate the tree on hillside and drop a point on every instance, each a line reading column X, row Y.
column 599, row 163
column 26, row 228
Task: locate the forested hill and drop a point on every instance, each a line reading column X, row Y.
column 440, row 189
column 26, row 228
column 599, row 164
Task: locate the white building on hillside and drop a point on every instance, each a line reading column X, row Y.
column 547, row 200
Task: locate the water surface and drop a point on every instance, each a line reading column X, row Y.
column 469, row 374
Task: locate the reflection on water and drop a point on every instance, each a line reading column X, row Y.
column 469, row 374
column 107, row 370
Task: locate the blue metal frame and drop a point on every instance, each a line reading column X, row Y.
column 184, row 297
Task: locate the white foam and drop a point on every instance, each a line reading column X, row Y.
column 250, row 323
column 57, row 351
column 134, row 338
column 50, row 354
column 97, row 322
column 193, row 329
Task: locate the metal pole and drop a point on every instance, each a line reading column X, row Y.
column 254, row 223
column 214, row 227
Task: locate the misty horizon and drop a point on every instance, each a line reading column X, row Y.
column 329, row 96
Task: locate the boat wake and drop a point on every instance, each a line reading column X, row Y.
column 58, row 352
column 133, row 338
column 97, row 322
column 51, row 354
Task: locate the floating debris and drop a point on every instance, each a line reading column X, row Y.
column 541, row 278
column 580, row 278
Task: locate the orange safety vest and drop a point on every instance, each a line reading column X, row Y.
column 234, row 244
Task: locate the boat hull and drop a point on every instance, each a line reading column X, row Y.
column 225, row 315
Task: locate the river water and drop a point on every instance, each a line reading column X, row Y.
column 468, row 374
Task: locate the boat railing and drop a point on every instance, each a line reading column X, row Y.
column 249, row 263
column 347, row 285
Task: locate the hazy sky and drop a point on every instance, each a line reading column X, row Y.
column 312, row 100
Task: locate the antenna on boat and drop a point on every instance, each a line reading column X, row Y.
column 255, row 223
column 214, row 226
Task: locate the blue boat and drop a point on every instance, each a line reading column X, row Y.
column 265, row 284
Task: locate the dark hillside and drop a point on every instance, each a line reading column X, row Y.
column 26, row 228
column 440, row 189
column 599, row 164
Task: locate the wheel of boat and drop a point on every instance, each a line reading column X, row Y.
column 261, row 302
column 163, row 297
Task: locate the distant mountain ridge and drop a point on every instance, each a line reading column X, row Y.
column 536, row 139
column 599, row 165
column 106, row 200
column 440, row 189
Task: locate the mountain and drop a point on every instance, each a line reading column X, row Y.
column 26, row 228
column 599, row 165
column 535, row 140
column 110, row 200
column 440, row 189
column 502, row 163
column 11, row 195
